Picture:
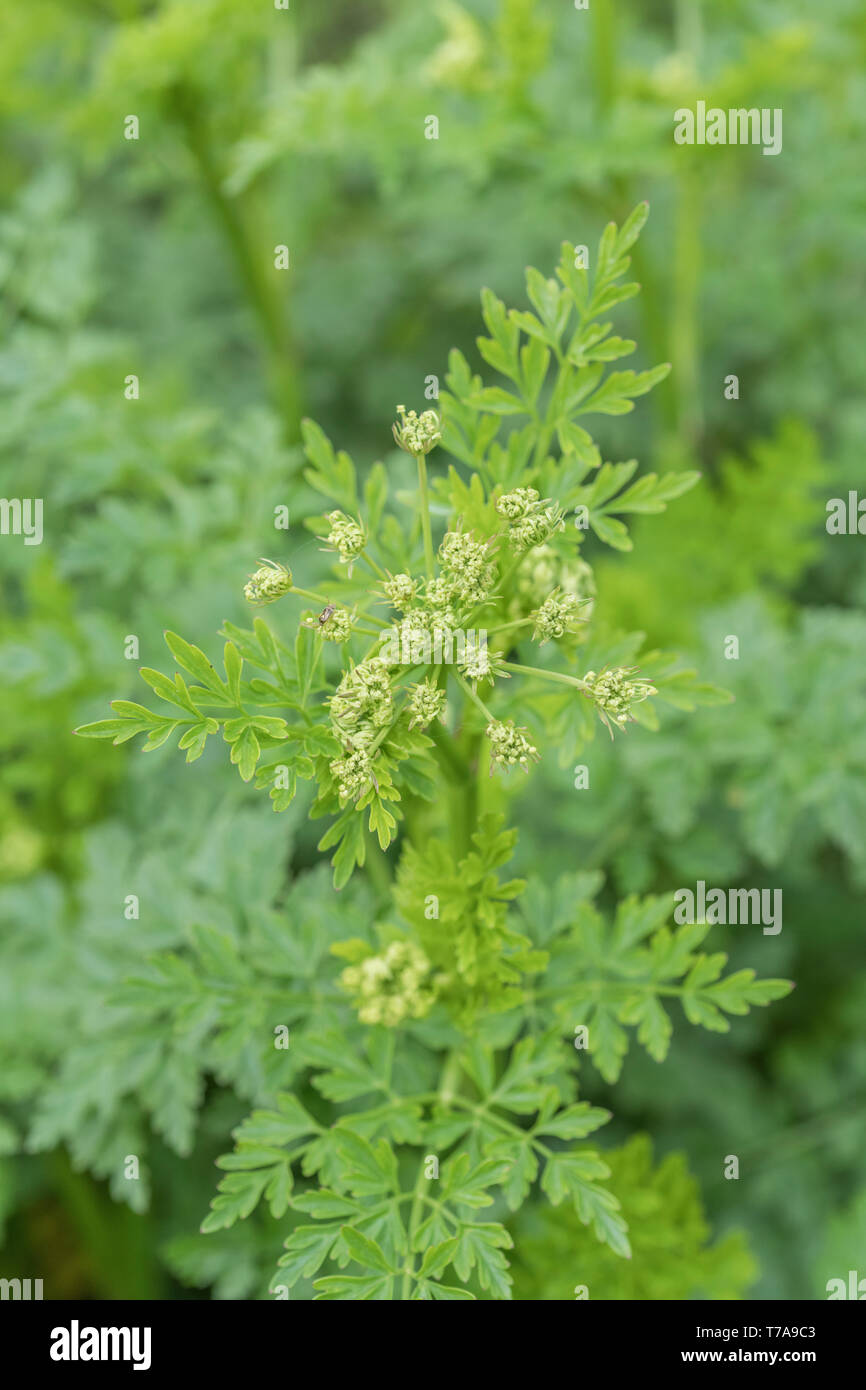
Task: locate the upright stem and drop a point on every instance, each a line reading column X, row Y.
column 425, row 514
column 603, row 55
column 265, row 302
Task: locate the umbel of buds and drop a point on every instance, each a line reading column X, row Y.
column 334, row 625
column 268, row 583
column 555, row 616
column 508, row 746
column 401, row 590
column 615, row 694
column 417, row 434
column 362, row 702
column 531, row 521
column 353, row 773
column 426, row 703
column 345, row 536
column 393, row 986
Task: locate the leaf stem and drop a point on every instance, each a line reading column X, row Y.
column 476, row 699
column 545, row 675
column 425, row 514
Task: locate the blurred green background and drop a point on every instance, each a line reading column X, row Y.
column 154, row 257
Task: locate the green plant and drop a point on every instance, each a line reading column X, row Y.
column 401, row 730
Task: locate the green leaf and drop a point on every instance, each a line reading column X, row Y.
column 365, row 1251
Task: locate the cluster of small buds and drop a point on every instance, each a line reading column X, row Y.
column 439, row 592
column 408, row 643
column 417, row 434
column 614, row 694
column 545, row 569
column 345, row 536
column 555, row 617
column 354, row 773
column 268, row 583
column 393, row 986
column 531, row 521
column 479, row 663
column 508, row 746
column 535, row 529
column 467, row 567
column 334, row 625
column 426, row 703
column 401, row 591
column 518, row 504
column 441, row 623
column 362, row 701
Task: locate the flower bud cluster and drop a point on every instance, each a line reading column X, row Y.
column 393, row 986
column 555, row 617
column 426, row 703
column 345, row 536
column 268, row 583
column 362, row 703
column 354, row 774
column 509, row 746
column 417, row 434
column 615, row 694
column 466, row 567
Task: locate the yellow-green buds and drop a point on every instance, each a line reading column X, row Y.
column 345, row 536
column 417, row 434
column 615, row 694
column 335, row 624
column 354, row 774
column 426, row 703
column 393, row 986
column 508, row 746
column 555, row 617
column 518, row 504
column 362, row 702
column 531, row 521
column 466, row 565
column 401, row 591
column 268, row 583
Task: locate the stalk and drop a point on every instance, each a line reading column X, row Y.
column 425, row 514
column 279, row 353
column 544, row 675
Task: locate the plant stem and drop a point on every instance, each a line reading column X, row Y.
column 545, row 675
column 604, row 56
column 459, row 768
column 266, row 305
column 476, row 699
column 377, row 569
column 425, row 514
column 503, row 627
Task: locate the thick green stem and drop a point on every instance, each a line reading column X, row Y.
column 266, row 303
column 603, row 55
column 425, row 515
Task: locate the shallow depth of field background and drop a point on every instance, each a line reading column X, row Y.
column 261, row 127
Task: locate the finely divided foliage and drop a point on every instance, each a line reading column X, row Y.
column 434, row 1082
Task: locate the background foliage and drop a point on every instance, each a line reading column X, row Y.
column 261, row 127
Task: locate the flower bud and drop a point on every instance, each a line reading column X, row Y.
column 268, row 583
column 417, row 434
